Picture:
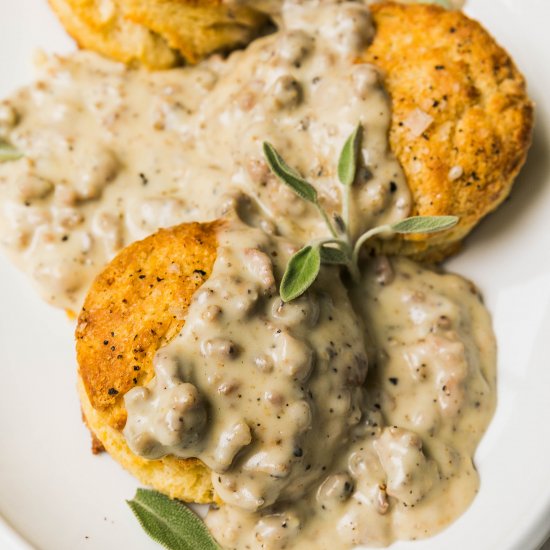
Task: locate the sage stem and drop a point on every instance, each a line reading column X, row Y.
column 346, row 192
column 333, row 231
column 364, row 238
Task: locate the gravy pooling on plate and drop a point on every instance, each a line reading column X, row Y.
column 270, row 396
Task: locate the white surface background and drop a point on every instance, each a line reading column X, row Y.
column 60, row 497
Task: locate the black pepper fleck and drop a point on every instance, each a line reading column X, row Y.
column 298, row 452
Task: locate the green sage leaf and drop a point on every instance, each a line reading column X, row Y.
column 424, row 224
column 301, row 272
column 288, row 175
column 170, row 522
column 347, row 164
column 332, row 255
column 9, row 152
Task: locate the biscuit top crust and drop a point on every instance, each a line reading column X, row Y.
column 137, row 304
column 461, row 118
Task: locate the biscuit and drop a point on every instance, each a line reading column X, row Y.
column 135, row 306
column 110, row 34
column 196, row 28
column 158, row 34
column 444, row 71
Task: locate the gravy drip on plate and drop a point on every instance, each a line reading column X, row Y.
column 112, row 154
column 309, row 446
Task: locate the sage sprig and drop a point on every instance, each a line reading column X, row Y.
column 8, row 152
column 170, row 522
column 304, row 266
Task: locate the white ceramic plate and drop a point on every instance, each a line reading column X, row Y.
column 54, row 495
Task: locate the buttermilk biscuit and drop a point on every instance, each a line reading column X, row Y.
column 461, row 118
column 102, row 28
column 197, row 28
column 158, row 33
column 135, row 306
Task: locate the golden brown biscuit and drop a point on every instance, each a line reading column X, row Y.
column 108, row 33
column 158, row 33
column 443, row 66
column 196, row 28
column 135, row 306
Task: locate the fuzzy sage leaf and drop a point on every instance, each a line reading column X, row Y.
column 424, row 224
column 333, row 256
column 288, row 175
column 347, row 164
column 304, row 266
column 170, row 523
column 9, row 152
column 301, row 272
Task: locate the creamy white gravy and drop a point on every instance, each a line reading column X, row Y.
column 112, row 154
column 272, row 397
column 281, row 383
